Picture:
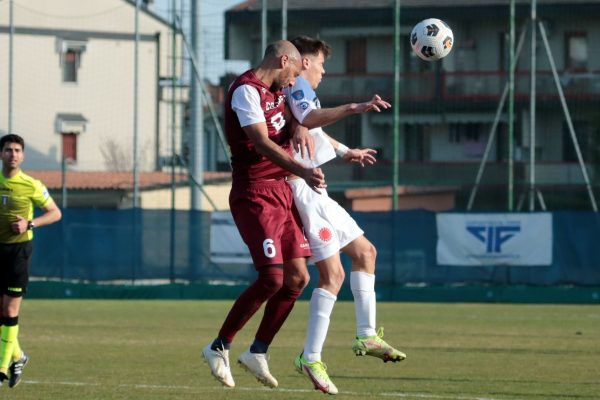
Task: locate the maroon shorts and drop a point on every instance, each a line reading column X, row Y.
column 268, row 221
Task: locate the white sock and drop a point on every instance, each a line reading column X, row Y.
column 321, row 306
column 362, row 285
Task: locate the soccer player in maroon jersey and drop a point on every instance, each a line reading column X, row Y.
column 259, row 132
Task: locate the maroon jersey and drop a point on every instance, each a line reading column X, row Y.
column 247, row 164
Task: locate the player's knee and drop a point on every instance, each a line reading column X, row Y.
column 270, row 281
column 297, row 281
column 366, row 257
column 339, row 277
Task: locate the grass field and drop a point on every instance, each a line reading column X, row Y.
column 88, row 349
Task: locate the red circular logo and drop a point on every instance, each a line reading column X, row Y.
column 325, row 234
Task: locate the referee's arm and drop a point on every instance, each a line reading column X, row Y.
column 51, row 214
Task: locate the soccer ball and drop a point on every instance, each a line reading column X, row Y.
column 431, row 39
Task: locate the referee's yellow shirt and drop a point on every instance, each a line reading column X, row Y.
column 18, row 195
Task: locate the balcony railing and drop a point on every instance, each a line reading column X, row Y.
column 457, row 86
column 456, row 173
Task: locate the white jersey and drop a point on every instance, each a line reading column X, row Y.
column 327, row 226
column 302, row 99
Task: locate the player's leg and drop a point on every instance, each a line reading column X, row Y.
column 14, row 285
column 331, row 278
column 277, row 309
column 362, row 283
column 10, row 331
column 269, row 281
column 254, row 208
column 368, row 341
column 294, row 249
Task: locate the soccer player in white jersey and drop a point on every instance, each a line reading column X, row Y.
column 330, row 229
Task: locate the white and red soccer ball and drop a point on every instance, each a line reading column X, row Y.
column 431, row 39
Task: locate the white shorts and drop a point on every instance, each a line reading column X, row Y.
column 327, row 226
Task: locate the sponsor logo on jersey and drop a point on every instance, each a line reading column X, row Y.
column 45, row 193
column 270, row 105
column 304, row 105
column 298, row 95
column 4, row 200
column 325, row 234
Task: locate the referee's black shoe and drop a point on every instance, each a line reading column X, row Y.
column 3, row 377
column 16, row 370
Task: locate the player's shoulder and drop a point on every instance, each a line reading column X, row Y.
column 301, row 90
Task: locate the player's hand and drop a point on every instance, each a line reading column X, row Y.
column 19, row 226
column 315, row 179
column 303, row 142
column 361, row 156
column 376, row 104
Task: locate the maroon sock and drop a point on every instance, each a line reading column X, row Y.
column 276, row 312
column 270, row 280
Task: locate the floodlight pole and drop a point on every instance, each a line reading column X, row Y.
column 136, row 51
column 263, row 27
column 396, row 108
column 11, row 35
column 511, row 107
column 532, row 104
column 197, row 111
column 284, row 19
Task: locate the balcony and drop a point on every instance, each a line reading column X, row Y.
column 464, row 86
column 454, row 173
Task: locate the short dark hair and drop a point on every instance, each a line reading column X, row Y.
column 12, row 138
column 307, row 45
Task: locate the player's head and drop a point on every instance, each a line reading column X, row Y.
column 12, row 147
column 314, row 52
column 284, row 56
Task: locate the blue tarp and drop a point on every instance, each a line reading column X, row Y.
column 133, row 245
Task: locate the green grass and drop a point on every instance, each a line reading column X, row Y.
column 87, row 349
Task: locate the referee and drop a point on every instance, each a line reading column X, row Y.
column 18, row 194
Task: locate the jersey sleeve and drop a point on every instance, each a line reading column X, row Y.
column 301, row 99
column 41, row 196
column 245, row 102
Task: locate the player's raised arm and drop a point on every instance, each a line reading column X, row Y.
column 325, row 116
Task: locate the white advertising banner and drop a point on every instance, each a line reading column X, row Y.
column 520, row 239
column 226, row 244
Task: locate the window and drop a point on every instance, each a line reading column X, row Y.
column 356, row 56
column 70, row 52
column 70, row 126
column 69, row 146
column 576, row 51
column 414, row 142
column 465, row 132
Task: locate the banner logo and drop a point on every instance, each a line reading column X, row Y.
column 494, row 236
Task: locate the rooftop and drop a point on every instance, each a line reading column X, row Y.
column 103, row 180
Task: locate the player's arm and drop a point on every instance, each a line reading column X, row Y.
column 325, row 116
column 360, row 156
column 259, row 135
column 50, row 214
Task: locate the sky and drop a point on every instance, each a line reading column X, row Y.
column 212, row 12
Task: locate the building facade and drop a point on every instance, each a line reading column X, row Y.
column 448, row 108
column 70, row 91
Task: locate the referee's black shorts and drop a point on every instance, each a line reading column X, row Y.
column 14, row 268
